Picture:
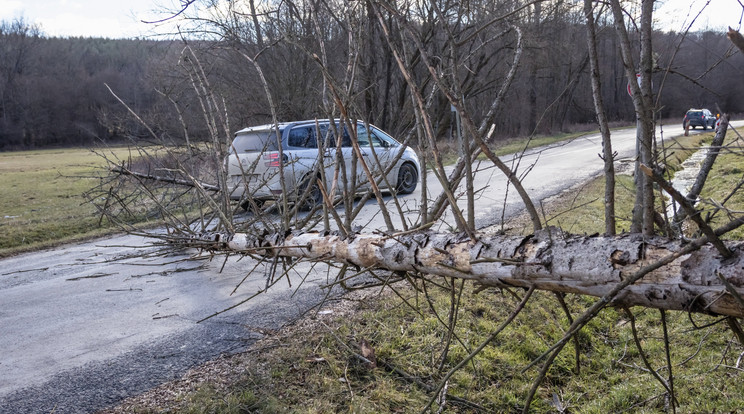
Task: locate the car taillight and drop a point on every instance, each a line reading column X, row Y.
column 272, row 159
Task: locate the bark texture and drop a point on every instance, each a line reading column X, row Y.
column 547, row 260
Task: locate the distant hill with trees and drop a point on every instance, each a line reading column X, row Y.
column 53, row 91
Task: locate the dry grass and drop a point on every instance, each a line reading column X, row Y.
column 45, row 195
column 313, row 366
column 42, row 202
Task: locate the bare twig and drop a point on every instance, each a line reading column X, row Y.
column 477, row 350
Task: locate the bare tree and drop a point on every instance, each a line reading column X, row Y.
column 433, row 57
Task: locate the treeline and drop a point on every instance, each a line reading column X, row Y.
column 55, row 91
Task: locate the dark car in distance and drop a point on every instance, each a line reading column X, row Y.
column 698, row 118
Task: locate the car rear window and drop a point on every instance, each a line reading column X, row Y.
column 255, row 141
column 694, row 113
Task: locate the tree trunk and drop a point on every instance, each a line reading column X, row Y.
column 604, row 126
column 643, row 211
column 675, row 277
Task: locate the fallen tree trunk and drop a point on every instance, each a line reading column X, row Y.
column 692, row 278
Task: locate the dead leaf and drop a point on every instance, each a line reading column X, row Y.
column 369, row 353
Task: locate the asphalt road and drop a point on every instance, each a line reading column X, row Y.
column 86, row 325
column 89, row 324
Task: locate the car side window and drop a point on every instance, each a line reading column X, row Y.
column 327, row 132
column 388, row 140
column 302, row 137
column 363, row 137
column 375, row 140
column 368, row 136
column 346, row 140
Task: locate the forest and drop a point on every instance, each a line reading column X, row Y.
column 79, row 91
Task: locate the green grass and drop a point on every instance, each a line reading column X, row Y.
column 45, row 195
column 315, row 369
column 41, row 202
column 581, row 210
column 727, row 174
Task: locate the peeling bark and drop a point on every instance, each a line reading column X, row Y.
column 547, row 260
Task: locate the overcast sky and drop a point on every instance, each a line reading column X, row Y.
column 122, row 18
column 719, row 14
column 87, row 18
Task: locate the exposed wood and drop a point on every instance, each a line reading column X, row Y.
column 548, row 260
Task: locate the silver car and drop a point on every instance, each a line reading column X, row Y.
column 254, row 162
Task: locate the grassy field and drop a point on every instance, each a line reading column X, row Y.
column 42, row 202
column 581, row 211
column 728, row 174
column 313, row 367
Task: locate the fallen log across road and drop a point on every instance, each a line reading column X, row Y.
column 626, row 270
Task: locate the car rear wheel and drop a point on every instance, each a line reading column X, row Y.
column 313, row 198
column 246, row 204
column 407, row 179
